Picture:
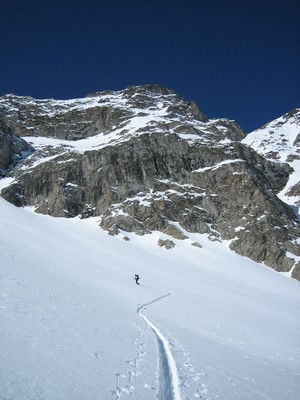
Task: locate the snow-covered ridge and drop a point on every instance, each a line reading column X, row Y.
column 110, row 117
column 279, row 141
column 51, row 107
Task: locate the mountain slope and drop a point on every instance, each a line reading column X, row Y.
column 279, row 140
column 70, row 325
column 144, row 159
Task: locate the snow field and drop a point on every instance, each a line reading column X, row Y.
column 69, row 326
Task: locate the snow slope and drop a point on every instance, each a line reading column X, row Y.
column 279, row 141
column 205, row 323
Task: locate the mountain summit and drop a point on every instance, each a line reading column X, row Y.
column 144, row 159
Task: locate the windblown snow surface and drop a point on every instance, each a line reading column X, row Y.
column 205, row 323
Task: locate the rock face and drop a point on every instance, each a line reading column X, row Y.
column 144, row 159
column 12, row 149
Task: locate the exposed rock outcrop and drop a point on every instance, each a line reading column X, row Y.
column 13, row 149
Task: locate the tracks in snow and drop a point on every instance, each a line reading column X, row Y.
column 168, row 379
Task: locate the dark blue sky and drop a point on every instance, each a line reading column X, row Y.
column 236, row 59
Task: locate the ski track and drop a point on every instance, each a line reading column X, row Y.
column 169, row 379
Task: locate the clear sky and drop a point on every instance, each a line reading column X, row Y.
column 238, row 59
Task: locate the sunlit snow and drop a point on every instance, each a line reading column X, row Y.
column 205, row 323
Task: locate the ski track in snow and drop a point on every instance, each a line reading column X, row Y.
column 169, row 379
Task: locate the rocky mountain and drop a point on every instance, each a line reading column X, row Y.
column 13, row 149
column 143, row 159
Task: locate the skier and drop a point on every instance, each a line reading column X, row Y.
column 136, row 277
